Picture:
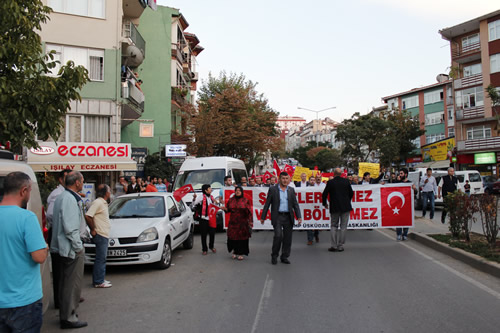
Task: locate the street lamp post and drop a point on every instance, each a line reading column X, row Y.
column 317, row 116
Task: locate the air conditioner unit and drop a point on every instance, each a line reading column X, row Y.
column 194, row 76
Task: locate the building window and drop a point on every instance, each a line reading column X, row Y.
column 472, row 70
column 495, row 63
column 146, row 130
column 416, row 142
column 478, row 132
column 433, row 96
column 91, row 59
column 410, row 102
column 470, row 40
column 91, row 8
column 469, row 98
column 494, row 30
column 450, row 114
column 97, row 129
column 451, row 131
column 434, row 137
column 74, row 128
column 434, row 118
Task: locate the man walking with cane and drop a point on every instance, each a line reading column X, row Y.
column 339, row 192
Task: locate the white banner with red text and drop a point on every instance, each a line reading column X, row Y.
column 374, row 206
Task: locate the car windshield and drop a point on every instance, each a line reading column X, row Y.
column 134, row 207
column 197, row 178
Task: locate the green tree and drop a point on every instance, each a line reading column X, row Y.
column 156, row 165
column 494, row 96
column 301, row 153
column 327, row 159
column 232, row 119
column 32, row 104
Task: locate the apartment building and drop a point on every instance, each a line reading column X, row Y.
column 475, row 64
column 317, row 130
column 169, row 75
column 287, row 122
column 433, row 106
column 102, row 36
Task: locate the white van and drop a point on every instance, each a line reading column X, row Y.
column 209, row 170
column 474, row 178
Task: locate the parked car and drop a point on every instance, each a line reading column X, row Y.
column 146, row 228
column 488, row 182
column 496, row 187
column 35, row 205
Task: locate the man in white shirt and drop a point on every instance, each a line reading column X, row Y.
column 303, row 181
column 319, row 182
column 429, row 191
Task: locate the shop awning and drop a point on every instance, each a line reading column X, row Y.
column 86, row 157
column 434, row 164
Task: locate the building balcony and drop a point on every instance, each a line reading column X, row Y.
column 492, row 143
column 178, row 53
column 179, row 96
column 468, row 81
column 134, row 8
column 467, row 53
column 133, row 37
column 470, row 113
column 133, row 105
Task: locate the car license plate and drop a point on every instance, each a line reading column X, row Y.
column 117, row 253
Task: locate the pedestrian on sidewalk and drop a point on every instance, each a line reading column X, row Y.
column 429, row 190
column 67, row 231
column 339, row 192
column 22, row 250
column 284, row 208
column 402, row 233
column 98, row 220
column 447, row 184
column 205, row 201
column 467, row 188
column 240, row 224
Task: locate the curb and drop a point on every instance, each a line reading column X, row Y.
column 470, row 259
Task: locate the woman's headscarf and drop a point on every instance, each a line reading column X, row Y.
column 241, row 189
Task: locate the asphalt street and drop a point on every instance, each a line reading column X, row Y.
column 475, row 226
column 376, row 285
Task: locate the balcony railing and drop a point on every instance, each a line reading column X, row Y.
column 469, row 113
column 468, row 81
column 130, row 31
column 178, row 52
column 131, row 91
column 461, row 51
column 479, row 144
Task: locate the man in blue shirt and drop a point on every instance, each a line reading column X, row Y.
column 284, row 208
column 160, row 186
column 22, row 250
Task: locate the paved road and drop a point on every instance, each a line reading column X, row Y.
column 376, row 285
column 476, row 226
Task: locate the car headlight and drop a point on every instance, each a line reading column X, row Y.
column 148, row 235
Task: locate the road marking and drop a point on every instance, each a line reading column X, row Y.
column 451, row 270
column 266, row 294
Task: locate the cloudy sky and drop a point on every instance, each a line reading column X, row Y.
column 324, row 53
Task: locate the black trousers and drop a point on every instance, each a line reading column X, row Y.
column 282, row 237
column 56, row 276
column 205, row 230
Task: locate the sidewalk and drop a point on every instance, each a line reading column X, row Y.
column 425, row 226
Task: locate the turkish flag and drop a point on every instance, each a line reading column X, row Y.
column 344, row 174
column 212, row 213
column 266, row 176
column 396, row 204
column 182, row 191
column 289, row 169
column 276, row 168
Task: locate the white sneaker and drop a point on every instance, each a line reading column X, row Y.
column 398, row 238
column 105, row 284
column 405, row 238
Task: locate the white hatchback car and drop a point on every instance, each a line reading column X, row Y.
column 146, row 228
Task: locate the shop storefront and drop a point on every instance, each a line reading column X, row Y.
column 100, row 163
column 486, row 163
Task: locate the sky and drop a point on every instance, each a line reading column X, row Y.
column 319, row 54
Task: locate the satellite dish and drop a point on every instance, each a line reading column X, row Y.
column 134, row 56
column 442, row 78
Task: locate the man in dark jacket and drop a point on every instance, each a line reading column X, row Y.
column 284, row 208
column 447, row 184
column 339, row 192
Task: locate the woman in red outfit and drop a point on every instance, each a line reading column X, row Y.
column 240, row 222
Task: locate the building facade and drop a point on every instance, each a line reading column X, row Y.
column 102, row 36
column 433, row 106
column 475, row 64
column 169, row 75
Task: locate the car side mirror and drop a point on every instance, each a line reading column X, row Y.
column 174, row 214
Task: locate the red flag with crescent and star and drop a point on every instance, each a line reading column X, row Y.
column 396, row 204
column 182, row 191
column 212, row 213
column 266, row 176
column 289, row 170
column 276, row 168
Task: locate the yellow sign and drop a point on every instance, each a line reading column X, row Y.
column 372, row 168
column 438, row 151
column 299, row 171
